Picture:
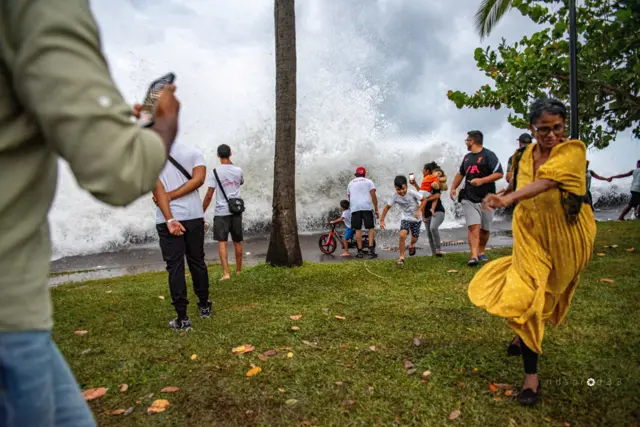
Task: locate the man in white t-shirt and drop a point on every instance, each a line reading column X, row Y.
column 364, row 204
column 224, row 222
column 180, row 225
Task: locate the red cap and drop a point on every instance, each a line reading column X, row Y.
column 361, row 171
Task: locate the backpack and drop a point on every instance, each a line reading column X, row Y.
column 515, row 163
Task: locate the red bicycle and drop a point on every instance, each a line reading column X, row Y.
column 329, row 242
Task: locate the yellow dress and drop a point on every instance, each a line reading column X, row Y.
column 535, row 285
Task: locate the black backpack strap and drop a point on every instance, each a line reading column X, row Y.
column 180, row 168
column 215, row 172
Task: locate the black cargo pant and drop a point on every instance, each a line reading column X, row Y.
column 174, row 249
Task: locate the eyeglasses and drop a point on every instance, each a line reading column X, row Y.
column 558, row 129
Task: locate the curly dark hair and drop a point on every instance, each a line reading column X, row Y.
column 431, row 166
column 546, row 105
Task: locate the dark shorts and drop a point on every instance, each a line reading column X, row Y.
column 412, row 226
column 635, row 199
column 225, row 225
column 362, row 217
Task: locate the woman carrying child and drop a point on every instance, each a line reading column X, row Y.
column 433, row 182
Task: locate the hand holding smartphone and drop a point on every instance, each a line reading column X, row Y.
column 147, row 109
column 412, row 178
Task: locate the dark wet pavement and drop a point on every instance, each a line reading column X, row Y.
column 148, row 258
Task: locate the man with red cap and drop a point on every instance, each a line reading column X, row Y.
column 364, row 204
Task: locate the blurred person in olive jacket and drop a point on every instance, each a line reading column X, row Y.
column 57, row 99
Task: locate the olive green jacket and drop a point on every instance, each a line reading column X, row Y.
column 57, row 99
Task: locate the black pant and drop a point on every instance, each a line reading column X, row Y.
column 529, row 358
column 174, row 249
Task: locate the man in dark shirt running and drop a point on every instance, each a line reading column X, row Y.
column 481, row 169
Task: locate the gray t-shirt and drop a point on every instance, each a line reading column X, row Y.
column 409, row 203
column 635, row 184
column 231, row 178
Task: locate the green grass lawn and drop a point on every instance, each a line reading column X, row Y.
column 335, row 376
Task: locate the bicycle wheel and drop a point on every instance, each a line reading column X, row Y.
column 327, row 244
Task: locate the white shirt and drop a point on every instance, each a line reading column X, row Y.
column 635, row 183
column 231, row 178
column 359, row 193
column 409, row 203
column 188, row 206
column 347, row 218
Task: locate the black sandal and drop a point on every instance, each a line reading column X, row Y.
column 514, row 348
column 412, row 251
column 528, row 397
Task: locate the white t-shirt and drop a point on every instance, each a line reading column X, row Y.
column 359, row 193
column 347, row 218
column 409, row 204
column 635, row 183
column 188, row 206
column 231, row 178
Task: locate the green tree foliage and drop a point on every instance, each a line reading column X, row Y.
column 538, row 65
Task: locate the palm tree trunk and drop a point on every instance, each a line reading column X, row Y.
column 284, row 246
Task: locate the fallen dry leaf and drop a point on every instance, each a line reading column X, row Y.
column 339, row 383
column 290, row 402
column 493, row 388
column 461, row 385
column 124, row 387
column 373, row 348
column 566, row 424
column 325, row 310
column 81, row 332
column 411, row 371
column 613, row 246
column 344, row 346
column 270, row 353
column 129, row 411
column 454, row 415
column 286, row 348
column 452, row 271
column 547, row 419
column 349, row 402
column 503, row 386
column 508, row 393
column 169, row 389
column 94, row 393
column 417, row 342
column 475, row 369
column 309, row 343
column 306, row 423
column 630, row 249
column 254, row 371
column 290, row 355
column 194, row 356
column 246, row 348
column 369, row 389
column 606, row 280
column 426, row 374
column 497, row 398
column 296, row 317
column 262, row 357
column 295, row 328
column 161, row 297
column 282, row 390
column 117, row 412
column 340, row 317
column 408, row 364
column 600, row 254
column 157, row 406
column 182, row 334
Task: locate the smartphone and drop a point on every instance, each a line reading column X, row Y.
column 150, row 99
column 411, row 177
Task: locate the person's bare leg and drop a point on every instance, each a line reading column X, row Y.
column 238, row 248
column 372, row 237
column 474, row 239
column 414, row 240
column 624, row 213
column 403, row 240
column 345, row 243
column 484, row 239
column 359, row 239
column 222, row 251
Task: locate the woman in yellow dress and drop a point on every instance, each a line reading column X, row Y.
column 553, row 233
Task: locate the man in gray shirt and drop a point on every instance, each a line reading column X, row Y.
column 634, row 203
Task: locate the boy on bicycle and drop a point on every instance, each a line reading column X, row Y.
column 346, row 218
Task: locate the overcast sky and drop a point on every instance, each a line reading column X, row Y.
column 407, row 53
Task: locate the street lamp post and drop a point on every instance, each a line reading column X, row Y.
column 573, row 69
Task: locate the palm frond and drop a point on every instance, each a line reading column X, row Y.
column 489, row 14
